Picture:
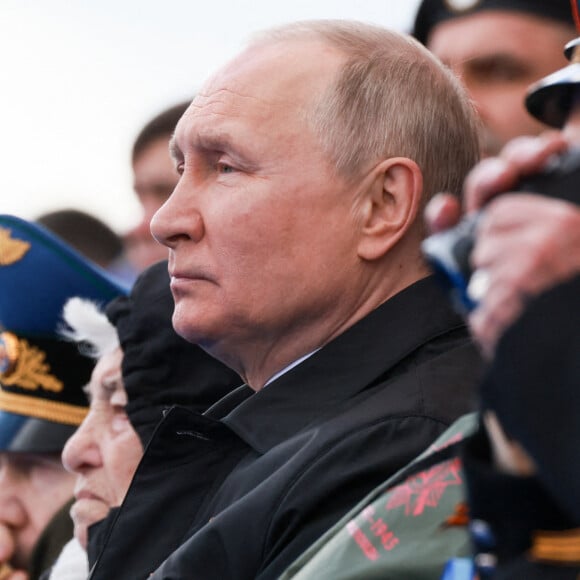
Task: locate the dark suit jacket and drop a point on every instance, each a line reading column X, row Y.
column 240, row 491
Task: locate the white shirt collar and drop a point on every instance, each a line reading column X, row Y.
column 289, row 367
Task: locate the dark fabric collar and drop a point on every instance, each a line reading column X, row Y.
column 359, row 358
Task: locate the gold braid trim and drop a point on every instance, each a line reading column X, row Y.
column 42, row 408
column 558, row 547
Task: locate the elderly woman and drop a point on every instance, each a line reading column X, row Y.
column 143, row 368
column 105, row 450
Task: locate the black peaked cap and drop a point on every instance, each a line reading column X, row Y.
column 432, row 12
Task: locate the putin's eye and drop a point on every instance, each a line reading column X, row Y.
column 224, row 168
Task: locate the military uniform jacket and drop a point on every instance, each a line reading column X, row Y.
column 240, row 491
column 407, row 528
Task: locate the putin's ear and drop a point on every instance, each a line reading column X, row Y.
column 390, row 206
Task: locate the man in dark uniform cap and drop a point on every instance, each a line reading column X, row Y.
column 498, row 48
column 41, row 396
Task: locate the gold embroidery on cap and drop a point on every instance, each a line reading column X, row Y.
column 26, row 366
column 11, row 249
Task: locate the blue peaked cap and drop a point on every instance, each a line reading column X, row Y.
column 35, row 286
column 42, row 376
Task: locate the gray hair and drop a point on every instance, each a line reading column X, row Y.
column 87, row 325
column 392, row 98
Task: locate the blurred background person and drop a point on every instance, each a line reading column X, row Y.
column 41, row 396
column 154, row 177
column 498, row 48
column 523, row 469
column 93, row 238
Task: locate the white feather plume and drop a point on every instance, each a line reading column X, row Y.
column 89, row 326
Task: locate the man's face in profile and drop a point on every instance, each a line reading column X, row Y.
column 260, row 228
column 105, row 449
column 498, row 55
column 33, row 487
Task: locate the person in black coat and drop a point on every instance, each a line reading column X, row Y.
column 294, row 254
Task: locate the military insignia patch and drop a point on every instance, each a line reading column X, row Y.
column 461, row 5
column 25, row 366
column 11, row 249
column 425, row 489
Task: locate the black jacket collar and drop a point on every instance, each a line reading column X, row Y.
column 363, row 355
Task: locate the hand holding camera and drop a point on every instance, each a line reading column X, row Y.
column 506, row 242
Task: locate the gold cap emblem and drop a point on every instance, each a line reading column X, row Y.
column 11, row 249
column 24, row 365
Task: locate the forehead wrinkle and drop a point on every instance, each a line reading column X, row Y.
column 203, row 128
column 232, row 99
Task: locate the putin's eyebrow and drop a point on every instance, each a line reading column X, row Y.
column 222, row 142
column 210, row 142
column 214, row 142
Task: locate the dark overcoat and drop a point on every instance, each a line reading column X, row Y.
column 240, row 491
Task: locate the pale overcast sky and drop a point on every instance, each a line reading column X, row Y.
column 80, row 78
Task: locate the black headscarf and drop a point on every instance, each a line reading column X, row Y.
column 161, row 369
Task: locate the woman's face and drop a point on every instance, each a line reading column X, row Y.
column 105, row 450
